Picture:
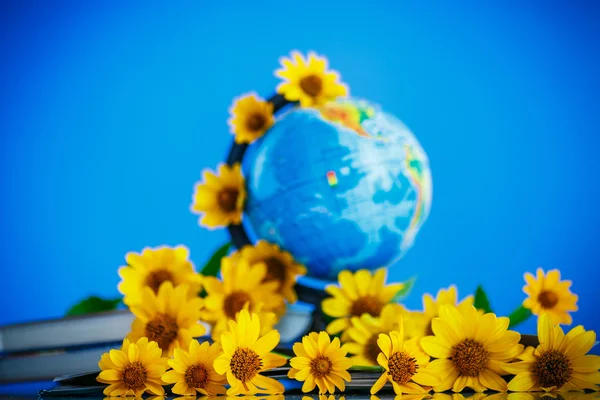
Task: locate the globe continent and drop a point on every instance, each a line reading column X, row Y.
column 342, row 186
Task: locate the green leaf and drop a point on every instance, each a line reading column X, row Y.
column 213, row 266
column 94, row 304
column 481, row 300
column 405, row 291
column 373, row 368
column 518, row 316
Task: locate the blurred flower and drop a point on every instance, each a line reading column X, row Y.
column 420, row 324
column 134, row 369
column 245, row 354
column 560, row 362
column 250, row 117
column 471, row 349
column 281, row 266
column 241, row 287
column 405, row 364
column 359, row 293
column 220, row 198
column 169, row 318
column 320, row 361
column 308, row 80
column 364, row 333
column 547, row 293
column 193, row 370
column 152, row 267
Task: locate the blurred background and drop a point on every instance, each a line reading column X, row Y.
column 110, row 111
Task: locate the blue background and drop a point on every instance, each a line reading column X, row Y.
column 109, row 112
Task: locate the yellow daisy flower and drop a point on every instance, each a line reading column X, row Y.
column 405, row 364
column 220, row 198
column 169, row 318
column 320, row 361
column 281, row 266
column 560, row 362
column 193, row 370
column 308, row 80
column 471, row 349
column 364, row 333
column 245, row 354
column 360, row 293
column 152, row 267
column 242, row 285
column 547, row 293
column 250, row 117
column 134, row 369
column 431, row 309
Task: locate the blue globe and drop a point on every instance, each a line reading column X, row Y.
column 342, row 186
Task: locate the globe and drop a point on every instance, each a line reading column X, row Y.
column 340, row 186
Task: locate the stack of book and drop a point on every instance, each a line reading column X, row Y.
column 43, row 350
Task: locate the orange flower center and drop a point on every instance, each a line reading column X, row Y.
column 552, row 368
column 402, row 367
column 320, row 366
column 366, row 304
column 156, row 278
column 311, row 85
column 548, row 298
column 256, row 122
column 235, row 302
column 196, row 376
column 227, row 199
column 163, row 330
column 276, row 270
column 134, row 376
column 469, row 357
column 245, row 364
column 372, row 349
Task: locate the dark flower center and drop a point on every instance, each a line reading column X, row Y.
column 276, row 270
column 552, row 368
column 196, row 376
column 227, row 199
column 245, row 364
column 366, row 304
column 134, row 376
column 311, row 85
column 372, row 349
column 548, row 298
column 402, row 367
column 156, row 278
column 163, row 330
column 469, row 357
column 235, row 302
column 256, row 122
column 320, row 366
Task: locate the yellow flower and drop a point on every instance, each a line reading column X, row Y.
column 405, row 364
column 320, row 361
column 365, row 331
column 359, row 293
column 560, row 362
column 281, row 266
column 245, row 354
column 169, row 318
column 471, row 349
column 193, row 370
column 220, row 198
column 134, row 369
column 152, row 267
column 548, row 294
column 308, row 80
column 250, row 118
column 241, row 286
column 431, row 309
